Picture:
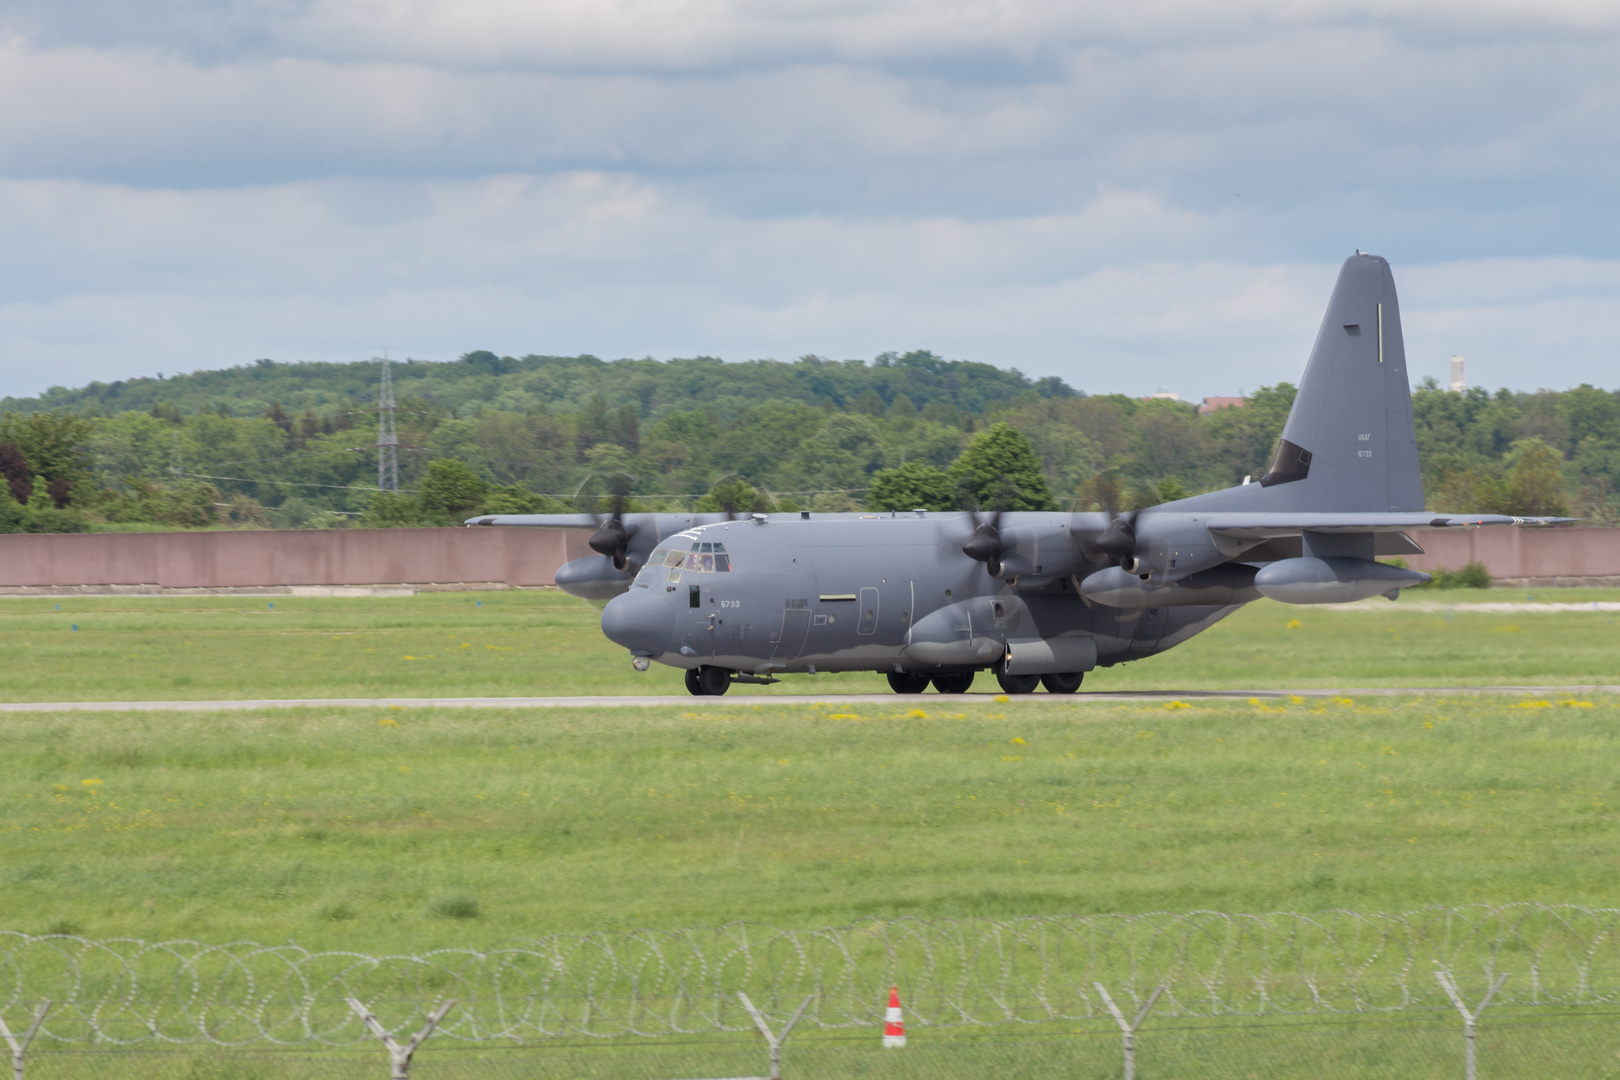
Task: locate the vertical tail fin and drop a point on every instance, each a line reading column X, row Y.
column 1348, row 444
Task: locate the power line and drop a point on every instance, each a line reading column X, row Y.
column 282, row 483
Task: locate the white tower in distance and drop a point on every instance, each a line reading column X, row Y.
column 1459, row 382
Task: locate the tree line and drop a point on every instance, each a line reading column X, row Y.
column 293, row 445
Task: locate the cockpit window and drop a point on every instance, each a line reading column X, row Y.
column 705, row 559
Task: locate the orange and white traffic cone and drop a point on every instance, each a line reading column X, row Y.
column 894, row 1026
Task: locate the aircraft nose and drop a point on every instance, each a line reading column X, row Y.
column 640, row 620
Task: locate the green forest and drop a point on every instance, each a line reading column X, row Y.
column 273, row 445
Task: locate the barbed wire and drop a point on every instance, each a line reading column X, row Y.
column 951, row 972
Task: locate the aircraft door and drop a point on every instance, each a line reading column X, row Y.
column 698, row 624
column 868, row 617
column 788, row 641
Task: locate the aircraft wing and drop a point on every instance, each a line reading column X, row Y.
column 1263, row 526
column 541, row 521
column 665, row 523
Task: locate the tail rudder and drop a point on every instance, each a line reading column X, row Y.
column 1348, row 444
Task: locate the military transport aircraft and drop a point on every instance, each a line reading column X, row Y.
column 1037, row 598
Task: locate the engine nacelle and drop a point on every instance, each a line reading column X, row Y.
column 594, row 578
column 1332, row 580
column 1038, row 553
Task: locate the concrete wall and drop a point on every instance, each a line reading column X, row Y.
column 530, row 557
column 1515, row 556
column 293, row 557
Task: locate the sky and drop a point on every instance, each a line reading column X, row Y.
column 1129, row 196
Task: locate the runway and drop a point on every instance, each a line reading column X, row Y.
column 754, row 700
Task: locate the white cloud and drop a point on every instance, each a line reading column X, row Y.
column 1127, row 195
column 169, row 281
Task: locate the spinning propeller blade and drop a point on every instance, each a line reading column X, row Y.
column 1116, row 542
column 611, row 537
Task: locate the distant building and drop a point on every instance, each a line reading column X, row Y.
column 1163, row 394
column 1459, row 381
column 1212, row 403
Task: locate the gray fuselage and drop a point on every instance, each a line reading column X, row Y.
column 887, row 592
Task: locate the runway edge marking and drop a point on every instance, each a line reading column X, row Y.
column 649, row 701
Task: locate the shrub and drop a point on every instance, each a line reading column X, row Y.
column 19, row 476
column 1472, row 576
column 450, row 492
column 916, row 485
column 393, row 510
column 999, row 469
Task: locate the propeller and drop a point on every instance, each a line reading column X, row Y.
column 612, row 537
column 1117, row 541
column 985, row 543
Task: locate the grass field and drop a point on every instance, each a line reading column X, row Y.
column 388, row 829
column 401, row 830
column 547, row 643
column 1429, row 1048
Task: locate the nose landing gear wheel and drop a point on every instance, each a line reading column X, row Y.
column 1066, row 683
column 1018, row 684
column 953, row 684
column 907, row 682
column 707, row 681
column 715, row 680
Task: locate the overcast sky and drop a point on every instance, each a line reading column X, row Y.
column 1129, row 196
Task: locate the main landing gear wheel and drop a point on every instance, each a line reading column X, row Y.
column 953, row 684
column 907, row 682
column 707, row 681
column 1066, row 683
column 1018, row 684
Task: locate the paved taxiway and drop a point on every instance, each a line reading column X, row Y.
column 745, row 699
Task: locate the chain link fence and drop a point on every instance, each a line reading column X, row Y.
column 1279, row 994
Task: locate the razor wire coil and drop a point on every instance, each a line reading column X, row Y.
column 953, row 973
